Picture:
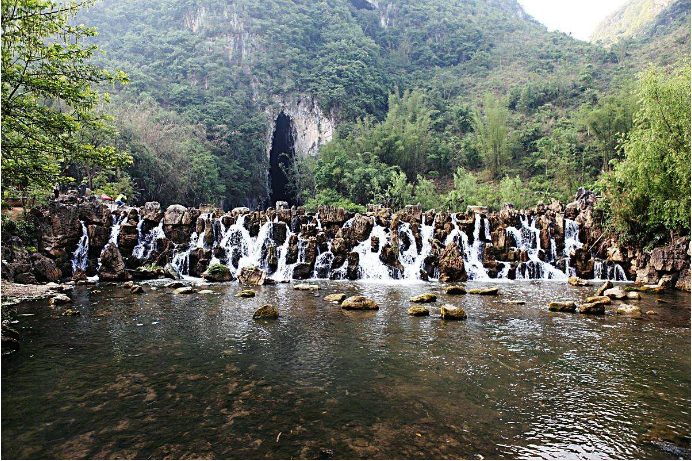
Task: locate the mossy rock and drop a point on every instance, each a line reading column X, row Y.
column 335, row 297
column 485, row 291
column 266, row 312
column 598, row 299
column 456, row 290
column 449, row 312
column 359, row 303
column 592, row 308
column 562, row 306
column 218, row 273
column 424, row 298
column 245, row 294
column 646, row 288
column 418, row 311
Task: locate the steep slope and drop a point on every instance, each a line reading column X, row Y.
column 628, row 21
column 231, row 68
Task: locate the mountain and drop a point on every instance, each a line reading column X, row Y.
column 210, row 80
column 630, row 20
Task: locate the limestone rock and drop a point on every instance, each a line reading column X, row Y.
column 174, row 215
column 449, row 312
column 184, row 290
column 136, row 289
column 598, row 299
column 485, row 291
column 266, row 312
column 245, row 294
column 45, row 269
column 60, row 299
column 628, row 309
column 424, row 298
column 578, row 282
column 361, row 227
column 175, row 284
column 592, row 308
column 455, row 290
column 306, row 287
column 335, row 297
column 302, row 271
column 606, row 286
column 112, row 264
column 359, row 303
column 615, row 293
column 252, row 276
column 218, row 273
column 151, row 211
column 418, row 311
column 451, row 265
column 562, row 306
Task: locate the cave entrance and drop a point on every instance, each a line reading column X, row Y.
column 281, row 159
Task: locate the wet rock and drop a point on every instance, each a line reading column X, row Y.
column 451, row 265
column 306, row 287
column 485, row 291
column 361, row 226
column 418, row 311
column 60, row 299
column 578, row 282
column 517, row 302
column 170, row 271
column 592, row 308
column 615, row 293
column 651, row 313
column 582, row 262
column 671, row 258
column 633, row 295
column 335, row 297
column 245, row 294
column 606, row 286
column 45, row 269
column 352, row 269
column 136, row 289
column 683, row 282
column 205, row 292
column 252, row 276
column 455, row 290
column 646, row 288
column 661, row 301
column 112, row 264
column 174, row 215
column 449, row 312
column 598, row 299
column 149, row 272
column 184, row 290
column 79, row 274
column 628, row 309
column 562, row 306
column 266, row 312
column 174, row 284
column 359, row 303
column 424, row 298
column 128, row 285
column 218, row 273
column 390, row 257
column 302, row 271
column 151, row 211
column 71, row 312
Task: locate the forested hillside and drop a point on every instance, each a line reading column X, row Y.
column 442, row 102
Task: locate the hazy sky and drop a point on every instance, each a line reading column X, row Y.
column 576, row 16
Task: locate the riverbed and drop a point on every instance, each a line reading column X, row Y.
column 165, row 375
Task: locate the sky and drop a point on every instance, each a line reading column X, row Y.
column 578, row 17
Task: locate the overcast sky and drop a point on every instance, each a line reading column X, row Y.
column 576, row 16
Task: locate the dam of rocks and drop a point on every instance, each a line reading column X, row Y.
column 86, row 238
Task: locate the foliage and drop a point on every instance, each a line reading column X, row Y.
column 491, row 130
column 649, row 191
column 48, row 99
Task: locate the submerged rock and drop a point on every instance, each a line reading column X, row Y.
column 245, row 294
column 266, row 312
column 184, row 290
column 418, row 311
column 335, row 297
column 359, row 303
column 578, row 282
column 606, row 286
column 424, row 298
column 449, row 312
column 628, row 309
column 252, row 276
column 455, row 290
column 60, row 299
column 306, row 287
column 646, row 288
column 592, row 308
column 485, row 291
column 218, row 273
column 562, row 306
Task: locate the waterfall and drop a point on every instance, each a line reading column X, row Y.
column 412, row 260
column 181, row 261
column 528, row 239
column 370, row 266
column 608, row 270
column 115, row 228
column 80, row 257
column 571, row 243
column 146, row 243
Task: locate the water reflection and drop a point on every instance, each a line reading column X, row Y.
column 166, row 375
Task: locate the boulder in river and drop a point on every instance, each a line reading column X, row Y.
column 170, row 271
column 424, row 298
column 418, row 311
column 335, row 297
column 306, row 287
column 218, row 273
column 136, row 289
column 449, row 312
column 112, row 264
column 606, row 286
column 45, row 269
column 516, row 302
column 451, row 265
column 485, row 291
column 359, row 303
column 266, row 312
column 245, row 294
column 633, row 295
column 252, row 276
column 60, row 299
column 592, row 308
column 615, row 293
column 628, row 309
column 184, row 290
column 598, row 299
column 302, row 271
column 455, row 290
column 176, row 284
column 578, row 282
column 562, row 306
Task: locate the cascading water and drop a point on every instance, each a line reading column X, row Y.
column 571, row 243
column 80, row 257
column 146, row 243
column 472, row 254
column 370, row 266
column 608, row 270
column 527, row 238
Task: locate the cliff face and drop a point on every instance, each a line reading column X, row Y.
column 83, row 238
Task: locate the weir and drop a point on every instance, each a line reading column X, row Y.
column 281, row 159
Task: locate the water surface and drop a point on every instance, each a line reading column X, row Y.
column 161, row 375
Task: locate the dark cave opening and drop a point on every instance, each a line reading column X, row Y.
column 280, row 160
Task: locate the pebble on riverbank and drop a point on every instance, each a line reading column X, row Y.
column 592, row 308
column 184, row 290
column 628, row 309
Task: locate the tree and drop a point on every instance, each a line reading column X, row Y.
column 48, row 99
column 491, row 130
column 648, row 192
